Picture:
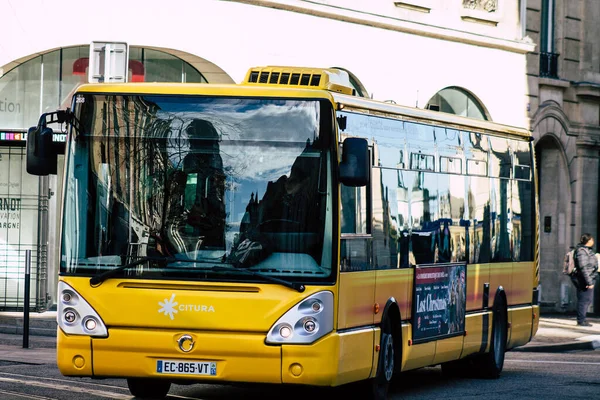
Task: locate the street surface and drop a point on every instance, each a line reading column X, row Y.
column 572, row 375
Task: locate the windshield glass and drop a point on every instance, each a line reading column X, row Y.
column 201, row 182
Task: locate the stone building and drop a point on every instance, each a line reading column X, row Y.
column 464, row 56
column 564, row 107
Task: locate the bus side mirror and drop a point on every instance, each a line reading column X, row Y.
column 354, row 168
column 41, row 152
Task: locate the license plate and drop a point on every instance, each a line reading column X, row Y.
column 186, row 367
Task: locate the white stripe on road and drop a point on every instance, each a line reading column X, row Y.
column 90, row 383
column 26, row 396
column 555, row 362
column 73, row 389
column 65, row 380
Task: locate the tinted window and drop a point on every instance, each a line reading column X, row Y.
column 389, row 197
column 478, row 215
column 354, row 209
column 500, row 210
column 421, row 146
column 451, row 234
column 424, row 214
column 523, row 160
column 476, row 153
column 500, row 158
column 388, row 134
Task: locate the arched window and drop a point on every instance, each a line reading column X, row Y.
column 455, row 100
column 46, row 82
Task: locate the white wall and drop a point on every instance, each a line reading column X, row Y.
column 392, row 65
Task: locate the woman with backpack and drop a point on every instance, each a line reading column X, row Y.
column 587, row 271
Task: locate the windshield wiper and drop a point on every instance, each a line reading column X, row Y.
column 98, row 279
column 292, row 285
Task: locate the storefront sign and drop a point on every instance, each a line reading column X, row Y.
column 439, row 302
column 22, row 136
column 18, row 136
column 7, row 106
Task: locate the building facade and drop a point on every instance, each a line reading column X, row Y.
column 468, row 57
column 564, row 107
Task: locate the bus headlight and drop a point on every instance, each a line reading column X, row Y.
column 75, row 316
column 306, row 322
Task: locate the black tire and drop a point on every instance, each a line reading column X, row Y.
column 490, row 365
column 380, row 385
column 148, row 388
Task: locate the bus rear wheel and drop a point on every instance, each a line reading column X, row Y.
column 148, row 388
column 490, row 365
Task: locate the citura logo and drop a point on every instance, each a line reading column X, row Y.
column 170, row 307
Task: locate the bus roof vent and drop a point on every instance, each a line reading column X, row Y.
column 335, row 80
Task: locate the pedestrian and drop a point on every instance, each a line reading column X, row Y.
column 586, row 276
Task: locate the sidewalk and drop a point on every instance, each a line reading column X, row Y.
column 556, row 333
column 41, row 350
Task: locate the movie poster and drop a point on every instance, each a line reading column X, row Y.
column 439, row 301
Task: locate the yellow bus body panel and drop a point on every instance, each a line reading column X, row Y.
column 475, row 333
column 522, row 284
column 500, row 276
column 536, row 320
column 415, row 355
column 520, row 319
column 396, row 283
column 477, row 276
column 357, row 291
column 213, row 306
column 239, row 357
column 74, row 355
column 448, row 349
column 332, row 361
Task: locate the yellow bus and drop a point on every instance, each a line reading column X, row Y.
column 286, row 231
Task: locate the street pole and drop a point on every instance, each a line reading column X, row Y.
column 26, row 299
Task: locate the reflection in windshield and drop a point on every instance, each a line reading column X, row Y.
column 240, row 182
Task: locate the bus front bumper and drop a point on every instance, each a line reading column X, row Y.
column 239, row 357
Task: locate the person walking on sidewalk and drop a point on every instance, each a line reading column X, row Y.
column 585, row 277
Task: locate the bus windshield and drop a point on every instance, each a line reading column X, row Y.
column 199, row 188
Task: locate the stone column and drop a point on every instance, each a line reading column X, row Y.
column 587, row 189
column 586, row 215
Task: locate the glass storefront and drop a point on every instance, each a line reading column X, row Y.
column 30, row 206
column 18, row 227
column 46, row 83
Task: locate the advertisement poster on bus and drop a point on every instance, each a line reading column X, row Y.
column 439, row 302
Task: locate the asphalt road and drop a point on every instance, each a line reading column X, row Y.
column 573, row 375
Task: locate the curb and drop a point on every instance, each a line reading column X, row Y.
column 560, row 347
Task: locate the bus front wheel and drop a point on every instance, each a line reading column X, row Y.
column 385, row 368
column 148, row 388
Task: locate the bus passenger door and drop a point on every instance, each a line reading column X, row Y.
column 356, row 286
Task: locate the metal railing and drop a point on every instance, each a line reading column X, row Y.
column 549, row 65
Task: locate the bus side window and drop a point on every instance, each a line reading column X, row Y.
column 355, row 251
